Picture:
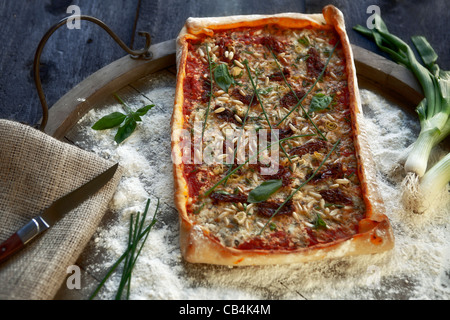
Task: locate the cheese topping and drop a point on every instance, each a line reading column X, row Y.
column 267, row 84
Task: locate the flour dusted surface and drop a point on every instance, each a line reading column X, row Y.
column 417, row 268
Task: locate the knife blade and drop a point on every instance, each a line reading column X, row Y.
column 53, row 213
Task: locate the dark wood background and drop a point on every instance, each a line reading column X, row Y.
column 72, row 55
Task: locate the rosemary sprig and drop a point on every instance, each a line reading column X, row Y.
column 208, row 192
column 137, row 237
column 299, row 187
column 312, row 87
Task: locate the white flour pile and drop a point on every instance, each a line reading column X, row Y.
column 417, row 268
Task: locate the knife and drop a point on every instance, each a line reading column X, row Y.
column 53, row 214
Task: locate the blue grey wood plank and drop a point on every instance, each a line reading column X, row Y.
column 164, row 19
column 69, row 56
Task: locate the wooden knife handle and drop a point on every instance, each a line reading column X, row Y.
column 9, row 247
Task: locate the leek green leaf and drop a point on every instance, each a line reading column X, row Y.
column 425, row 50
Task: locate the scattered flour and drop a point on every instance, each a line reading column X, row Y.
column 417, row 268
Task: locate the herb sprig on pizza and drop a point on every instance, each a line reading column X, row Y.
column 270, row 159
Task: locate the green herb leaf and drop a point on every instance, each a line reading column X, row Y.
column 126, row 130
column 117, row 118
column 319, row 223
column 110, row 121
column 222, row 77
column 303, row 41
column 264, row 191
column 320, row 102
column 143, row 111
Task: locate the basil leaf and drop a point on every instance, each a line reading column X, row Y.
column 320, row 102
column 222, row 77
column 126, row 130
column 264, row 191
column 110, row 121
column 143, row 111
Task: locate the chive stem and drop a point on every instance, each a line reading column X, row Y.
column 208, row 192
column 262, row 106
column 136, row 234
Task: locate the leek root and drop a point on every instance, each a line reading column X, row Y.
column 420, row 194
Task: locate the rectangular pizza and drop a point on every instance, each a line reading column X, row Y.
column 271, row 163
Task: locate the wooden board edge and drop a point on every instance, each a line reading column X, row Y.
column 387, row 78
column 66, row 112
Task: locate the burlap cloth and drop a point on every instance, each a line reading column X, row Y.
column 35, row 170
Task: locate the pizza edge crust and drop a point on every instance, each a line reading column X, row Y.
column 197, row 246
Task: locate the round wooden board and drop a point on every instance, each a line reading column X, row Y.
column 132, row 80
column 374, row 72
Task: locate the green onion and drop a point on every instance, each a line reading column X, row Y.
column 434, row 110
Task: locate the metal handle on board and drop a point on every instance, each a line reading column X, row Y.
column 135, row 54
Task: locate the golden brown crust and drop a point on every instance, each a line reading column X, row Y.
column 197, row 245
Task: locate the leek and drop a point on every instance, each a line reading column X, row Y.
column 434, row 110
column 422, row 186
column 421, row 194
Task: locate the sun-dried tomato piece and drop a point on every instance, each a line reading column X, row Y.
column 335, row 196
column 333, row 171
column 284, row 133
column 283, row 174
column 228, row 197
column 268, row 208
column 309, row 147
column 206, row 90
column 280, row 76
column 247, row 99
column 274, row 44
column 290, row 99
column 227, row 115
column 314, row 64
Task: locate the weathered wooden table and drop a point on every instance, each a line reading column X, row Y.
column 73, row 55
